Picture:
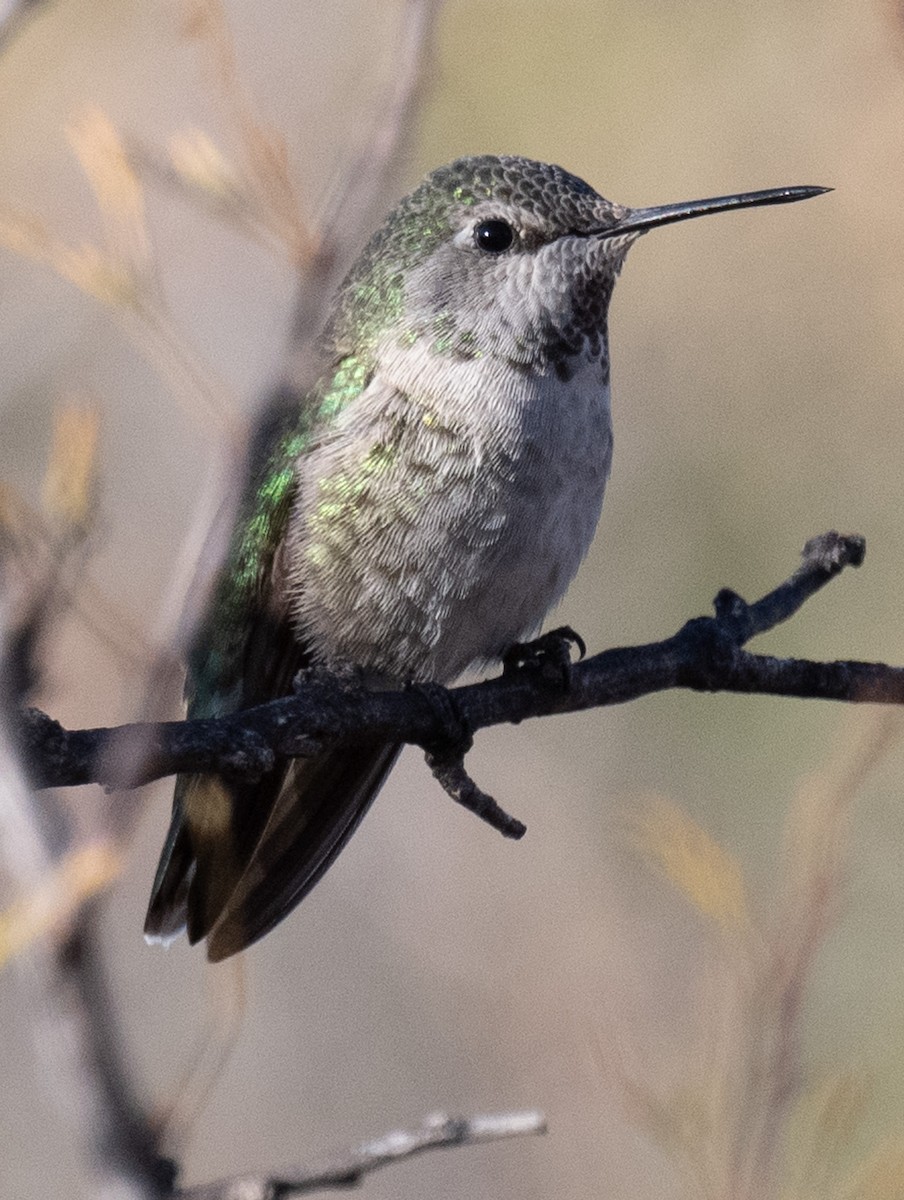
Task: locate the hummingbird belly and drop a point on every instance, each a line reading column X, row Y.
column 429, row 535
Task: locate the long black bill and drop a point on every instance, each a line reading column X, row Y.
column 637, row 220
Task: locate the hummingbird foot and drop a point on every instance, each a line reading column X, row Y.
column 455, row 736
column 548, row 655
column 445, row 757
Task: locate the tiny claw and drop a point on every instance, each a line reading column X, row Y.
column 571, row 635
column 549, row 654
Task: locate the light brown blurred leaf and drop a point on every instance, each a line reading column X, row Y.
column 268, row 185
column 70, row 481
column 81, row 874
column 88, row 267
column 202, row 167
column 116, row 186
column 707, row 874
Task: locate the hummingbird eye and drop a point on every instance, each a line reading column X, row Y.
column 493, row 236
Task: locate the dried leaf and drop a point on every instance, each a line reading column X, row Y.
column 268, row 189
column 24, row 234
column 200, row 165
column 89, row 268
column 70, row 482
column 116, row 185
column 120, row 275
column 695, row 863
column 81, row 874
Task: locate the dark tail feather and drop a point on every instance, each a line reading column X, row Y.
column 239, row 857
column 317, row 810
column 213, row 833
column 168, row 908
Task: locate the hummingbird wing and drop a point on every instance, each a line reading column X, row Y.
column 239, row 856
column 244, row 653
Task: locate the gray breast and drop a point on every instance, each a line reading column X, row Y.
column 446, row 512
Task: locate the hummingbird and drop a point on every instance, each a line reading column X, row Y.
column 413, row 516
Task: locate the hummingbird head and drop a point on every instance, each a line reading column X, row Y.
column 489, row 256
column 501, row 257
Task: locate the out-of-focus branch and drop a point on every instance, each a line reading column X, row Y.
column 15, row 15
column 349, row 1168
column 70, row 1007
column 707, row 654
column 122, row 1142
column 366, row 177
column 87, row 1072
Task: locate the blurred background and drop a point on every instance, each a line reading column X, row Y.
column 758, row 362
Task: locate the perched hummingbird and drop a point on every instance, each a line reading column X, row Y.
column 417, row 514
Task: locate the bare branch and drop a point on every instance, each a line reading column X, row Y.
column 707, row 654
column 122, row 1141
column 347, row 1170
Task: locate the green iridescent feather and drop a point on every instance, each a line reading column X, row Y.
column 220, row 677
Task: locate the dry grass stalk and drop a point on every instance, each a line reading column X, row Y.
column 262, row 192
column 748, row 1126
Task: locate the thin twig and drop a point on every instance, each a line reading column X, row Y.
column 348, row 1169
column 451, row 775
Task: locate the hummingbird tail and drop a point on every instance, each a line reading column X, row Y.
column 239, row 857
column 168, row 908
column 316, row 810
